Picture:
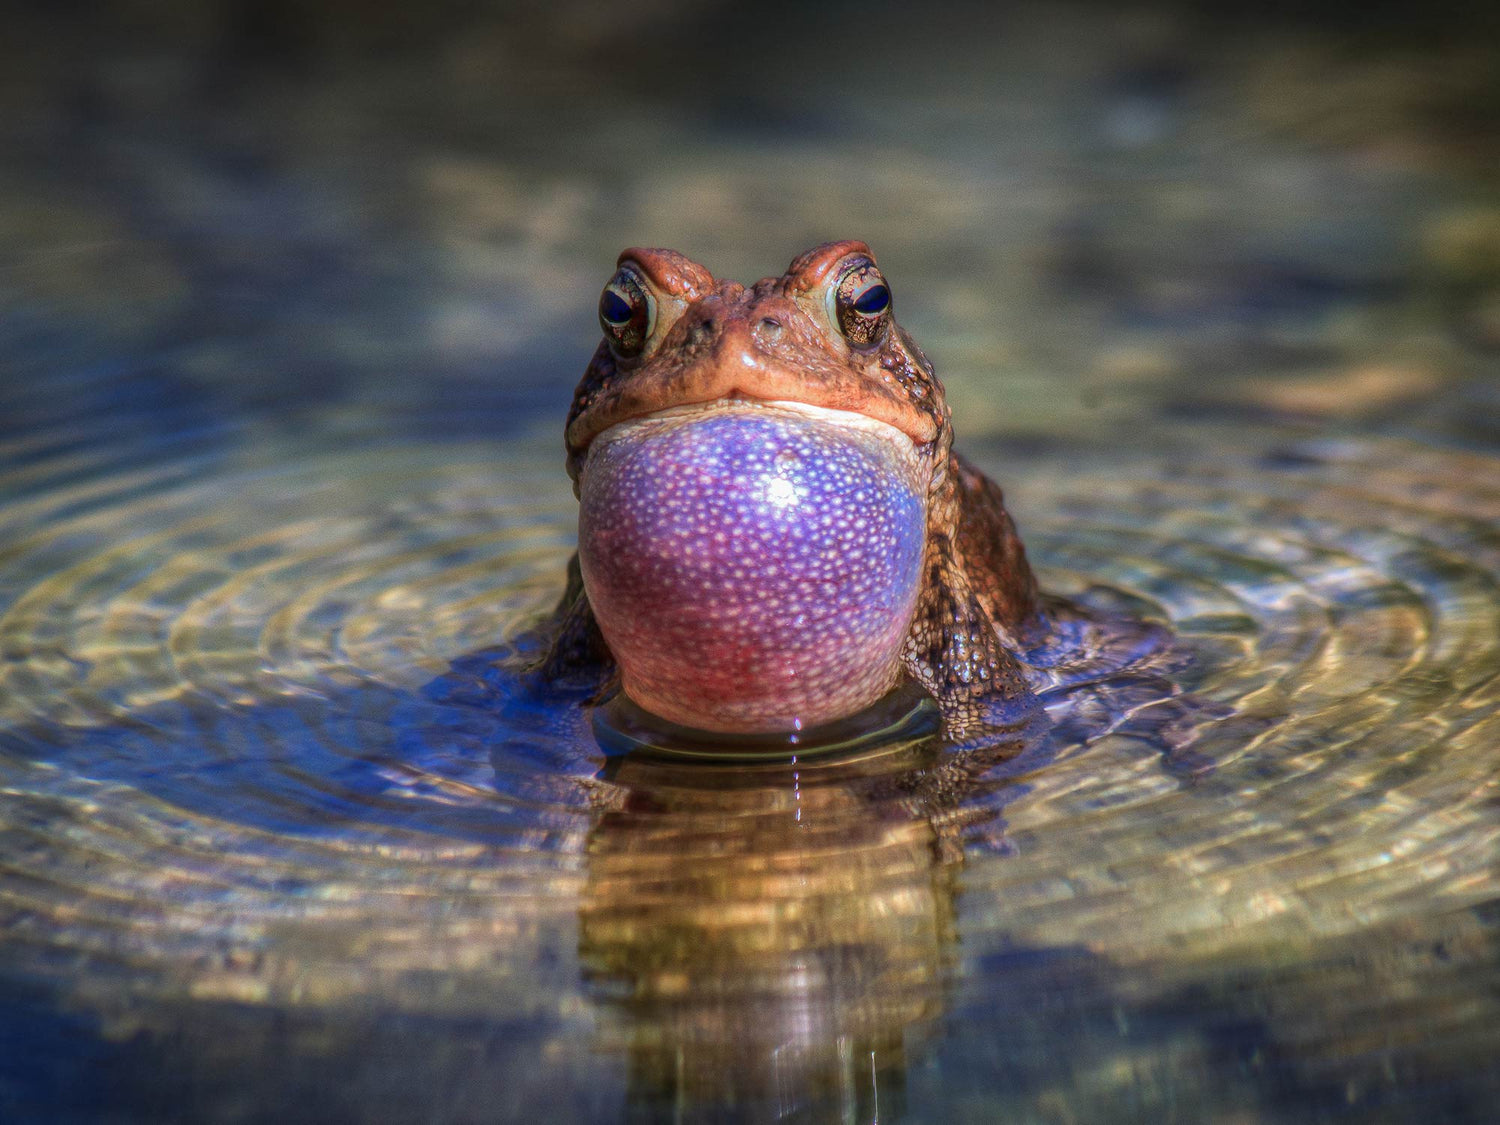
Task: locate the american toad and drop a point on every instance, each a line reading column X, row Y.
column 774, row 526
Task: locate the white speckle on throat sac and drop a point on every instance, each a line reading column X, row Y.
column 782, row 492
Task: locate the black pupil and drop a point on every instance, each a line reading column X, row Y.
column 614, row 308
column 873, row 300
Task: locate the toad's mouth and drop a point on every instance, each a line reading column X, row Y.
column 622, row 408
column 907, row 447
column 754, row 566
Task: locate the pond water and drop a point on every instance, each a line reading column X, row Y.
column 283, row 367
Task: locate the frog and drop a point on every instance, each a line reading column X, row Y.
column 809, row 367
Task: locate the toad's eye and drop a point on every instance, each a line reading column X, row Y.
column 626, row 311
column 862, row 304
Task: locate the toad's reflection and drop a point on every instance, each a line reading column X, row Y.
column 769, row 941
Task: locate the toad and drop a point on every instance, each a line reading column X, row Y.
column 774, row 527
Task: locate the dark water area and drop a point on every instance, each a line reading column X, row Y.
column 292, row 302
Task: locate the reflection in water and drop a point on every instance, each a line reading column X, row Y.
column 762, row 958
column 772, row 938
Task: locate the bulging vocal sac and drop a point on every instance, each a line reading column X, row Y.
column 751, row 566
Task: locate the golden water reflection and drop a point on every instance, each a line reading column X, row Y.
column 775, row 936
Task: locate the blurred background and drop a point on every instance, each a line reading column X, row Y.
column 1109, row 213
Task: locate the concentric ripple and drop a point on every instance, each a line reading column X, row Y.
column 259, row 744
column 1344, row 603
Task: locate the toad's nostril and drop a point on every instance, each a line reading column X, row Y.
column 769, row 327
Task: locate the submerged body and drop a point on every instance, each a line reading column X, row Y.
column 774, row 528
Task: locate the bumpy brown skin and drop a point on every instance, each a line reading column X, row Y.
column 776, row 342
